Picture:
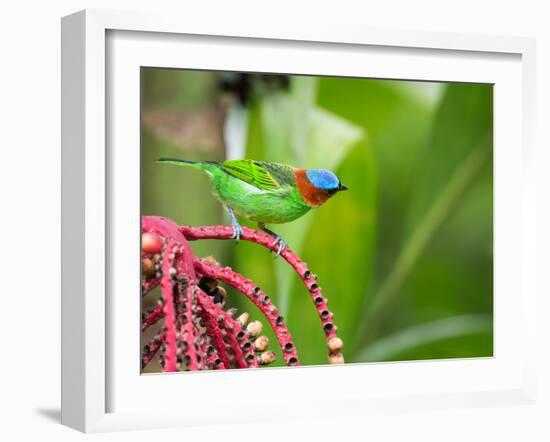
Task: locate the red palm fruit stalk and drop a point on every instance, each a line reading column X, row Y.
column 216, row 340
column 178, row 276
column 236, row 337
column 258, row 297
column 149, row 284
column 186, row 307
column 200, row 338
column 153, row 316
column 261, row 238
column 152, row 348
column 197, row 331
column 167, row 289
column 213, row 361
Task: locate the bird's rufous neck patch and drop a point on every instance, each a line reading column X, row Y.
column 311, row 194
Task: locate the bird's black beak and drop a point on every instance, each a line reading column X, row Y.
column 342, row 187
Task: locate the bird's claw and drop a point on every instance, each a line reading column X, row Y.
column 278, row 240
column 282, row 245
column 237, row 232
column 237, row 229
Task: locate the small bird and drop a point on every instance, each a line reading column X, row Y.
column 265, row 192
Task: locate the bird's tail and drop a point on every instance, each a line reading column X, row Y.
column 206, row 166
column 177, row 162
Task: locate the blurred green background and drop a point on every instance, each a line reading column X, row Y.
column 405, row 256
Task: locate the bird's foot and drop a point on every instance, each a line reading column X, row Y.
column 237, row 229
column 282, row 244
column 237, row 232
column 278, row 239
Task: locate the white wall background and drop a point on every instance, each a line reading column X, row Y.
column 30, row 224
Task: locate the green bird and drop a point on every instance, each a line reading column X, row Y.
column 265, row 192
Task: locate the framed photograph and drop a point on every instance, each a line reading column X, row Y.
column 294, row 217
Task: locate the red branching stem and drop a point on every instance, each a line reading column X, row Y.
column 263, row 239
column 149, row 284
column 153, row 316
column 167, row 288
column 198, row 333
column 217, row 344
column 259, row 298
column 186, row 295
column 151, row 349
column 180, row 276
column 200, row 338
column 237, row 352
column 237, row 338
column 213, row 361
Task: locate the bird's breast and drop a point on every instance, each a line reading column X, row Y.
column 280, row 206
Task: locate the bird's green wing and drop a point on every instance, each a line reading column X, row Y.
column 264, row 176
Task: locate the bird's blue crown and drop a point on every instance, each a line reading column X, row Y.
column 323, row 179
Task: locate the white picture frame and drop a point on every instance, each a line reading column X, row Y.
column 90, row 170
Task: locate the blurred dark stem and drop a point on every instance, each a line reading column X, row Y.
column 243, row 85
column 420, row 238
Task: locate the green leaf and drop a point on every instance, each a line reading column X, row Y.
column 462, row 127
column 397, row 119
column 392, row 347
column 456, row 157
